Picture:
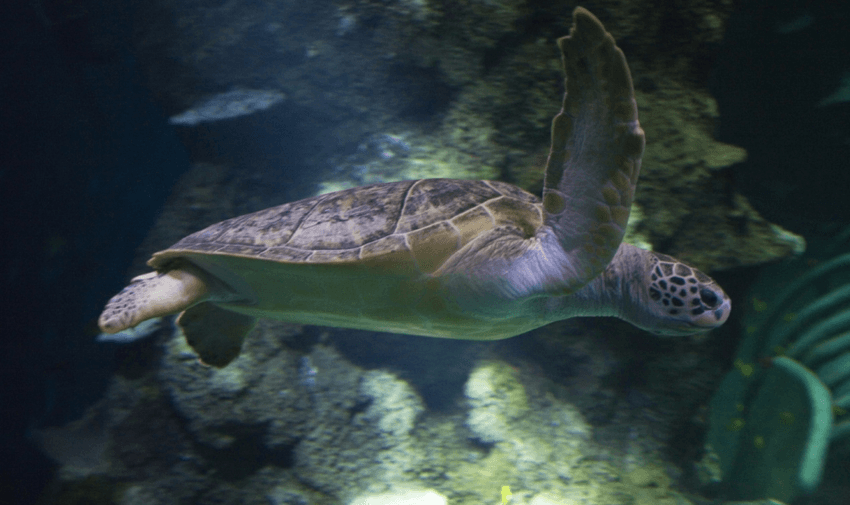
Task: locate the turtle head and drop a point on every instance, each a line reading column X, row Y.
column 674, row 299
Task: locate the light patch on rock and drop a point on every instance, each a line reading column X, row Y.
column 496, row 399
column 227, row 380
column 395, row 405
column 422, row 497
column 543, row 499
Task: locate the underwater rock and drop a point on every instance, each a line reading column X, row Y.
column 687, row 195
column 262, row 434
column 530, row 440
column 369, row 421
column 259, row 395
column 206, row 192
column 79, row 447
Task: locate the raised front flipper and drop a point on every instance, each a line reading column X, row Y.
column 597, row 144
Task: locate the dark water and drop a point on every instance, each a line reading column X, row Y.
column 88, row 161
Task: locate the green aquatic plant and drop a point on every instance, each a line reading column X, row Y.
column 782, row 407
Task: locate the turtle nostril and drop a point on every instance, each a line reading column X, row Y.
column 708, row 297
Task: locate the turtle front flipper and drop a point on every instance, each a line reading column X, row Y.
column 216, row 334
column 597, row 144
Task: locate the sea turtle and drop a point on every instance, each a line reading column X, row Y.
column 477, row 260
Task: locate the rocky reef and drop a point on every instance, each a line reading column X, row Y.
column 295, row 421
column 376, row 91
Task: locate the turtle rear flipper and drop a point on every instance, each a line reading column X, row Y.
column 216, row 334
column 597, row 144
column 154, row 295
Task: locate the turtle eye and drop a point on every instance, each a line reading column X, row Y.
column 708, row 297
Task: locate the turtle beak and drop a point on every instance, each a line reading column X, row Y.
column 715, row 307
column 710, row 310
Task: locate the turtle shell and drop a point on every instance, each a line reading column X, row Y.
column 422, row 222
